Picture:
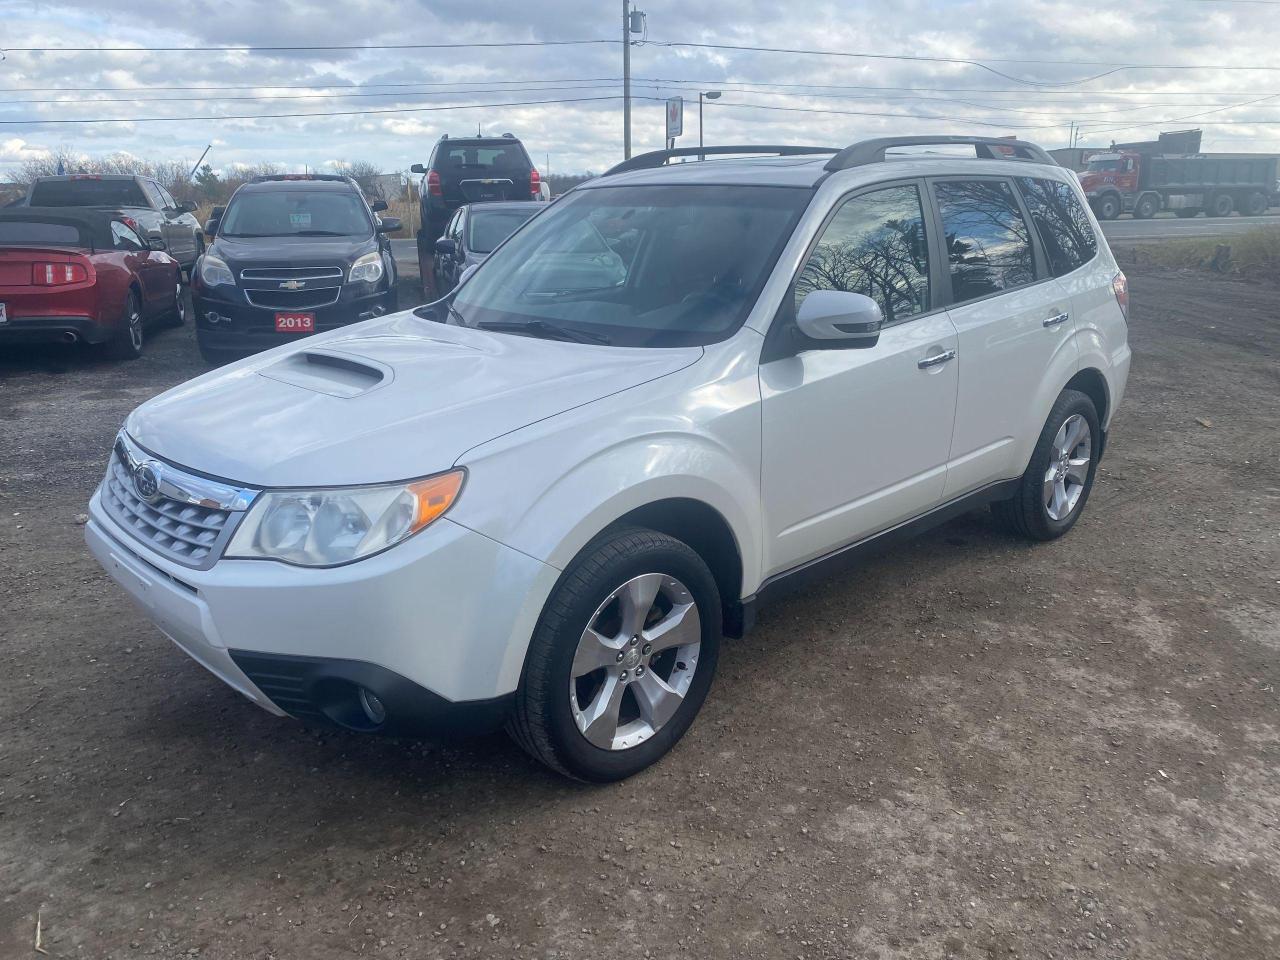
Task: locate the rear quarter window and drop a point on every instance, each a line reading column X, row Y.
column 27, row 232
column 1061, row 222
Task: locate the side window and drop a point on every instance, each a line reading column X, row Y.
column 451, row 230
column 1063, row 225
column 166, row 197
column 874, row 245
column 153, row 194
column 124, row 238
column 988, row 243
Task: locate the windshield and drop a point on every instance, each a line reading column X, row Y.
column 295, row 213
column 488, row 228
column 1112, row 165
column 88, row 193
column 655, row 266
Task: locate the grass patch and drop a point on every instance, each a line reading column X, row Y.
column 1254, row 254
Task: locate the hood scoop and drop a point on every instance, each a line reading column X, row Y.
column 329, row 372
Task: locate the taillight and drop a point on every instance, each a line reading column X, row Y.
column 433, row 184
column 57, row 274
column 1120, row 287
column 535, row 182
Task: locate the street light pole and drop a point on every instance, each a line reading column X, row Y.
column 710, row 95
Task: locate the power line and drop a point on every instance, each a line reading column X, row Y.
column 1115, row 68
column 354, row 47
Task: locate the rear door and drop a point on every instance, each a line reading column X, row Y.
column 182, row 237
column 1013, row 319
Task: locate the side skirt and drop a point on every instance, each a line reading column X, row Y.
column 853, row 554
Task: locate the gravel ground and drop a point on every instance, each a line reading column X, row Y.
column 971, row 747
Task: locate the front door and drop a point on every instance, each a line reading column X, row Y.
column 856, row 440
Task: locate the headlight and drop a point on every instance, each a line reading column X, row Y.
column 368, row 268
column 322, row 528
column 214, row 270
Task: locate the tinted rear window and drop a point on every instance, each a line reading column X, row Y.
column 1062, row 223
column 88, row 193
column 488, row 228
column 26, row 232
column 988, row 243
column 478, row 159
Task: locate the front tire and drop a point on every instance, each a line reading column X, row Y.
column 177, row 314
column 1055, row 487
column 622, row 657
column 1109, row 207
column 1220, row 205
column 1255, row 205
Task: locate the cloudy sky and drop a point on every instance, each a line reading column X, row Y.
column 985, row 66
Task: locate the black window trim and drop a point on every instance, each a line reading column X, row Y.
column 1080, row 199
column 1043, row 274
column 778, row 344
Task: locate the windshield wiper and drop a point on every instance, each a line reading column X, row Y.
column 541, row 328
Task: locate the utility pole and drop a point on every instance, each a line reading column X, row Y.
column 198, row 162
column 626, row 79
column 632, row 22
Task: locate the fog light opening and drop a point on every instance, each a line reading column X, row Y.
column 373, row 709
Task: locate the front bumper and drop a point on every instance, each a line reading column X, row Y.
column 437, row 627
column 227, row 321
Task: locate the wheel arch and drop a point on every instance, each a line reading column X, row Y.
column 1092, row 384
column 709, row 534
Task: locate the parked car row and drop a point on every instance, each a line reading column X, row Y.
column 288, row 256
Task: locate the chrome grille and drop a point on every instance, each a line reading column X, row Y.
column 291, row 273
column 189, row 520
column 309, row 299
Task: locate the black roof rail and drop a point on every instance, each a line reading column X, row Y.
column 657, row 158
column 277, row 177
column 873, row 151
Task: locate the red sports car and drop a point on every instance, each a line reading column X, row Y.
column 74, row 275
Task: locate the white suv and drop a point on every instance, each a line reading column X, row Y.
column 542, row 500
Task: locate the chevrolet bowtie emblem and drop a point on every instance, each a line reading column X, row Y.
column 293, row 285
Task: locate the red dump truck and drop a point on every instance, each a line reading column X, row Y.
column 1144, row 183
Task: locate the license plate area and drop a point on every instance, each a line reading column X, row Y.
column 297, row 321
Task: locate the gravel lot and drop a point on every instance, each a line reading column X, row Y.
column 971, row 747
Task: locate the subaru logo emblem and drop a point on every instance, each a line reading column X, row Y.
column 293, row 285
column 146, row 482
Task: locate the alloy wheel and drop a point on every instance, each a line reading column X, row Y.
column 635, row 661
column 1068, row 469
column 180, row 304
column 135, row 326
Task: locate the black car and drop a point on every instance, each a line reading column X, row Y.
column 291, row 255
column 473, row 233
column 472, row 170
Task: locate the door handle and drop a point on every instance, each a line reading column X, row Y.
column 1054, row 321
column 936, row 359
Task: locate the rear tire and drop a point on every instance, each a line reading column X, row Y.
column 1255, row 205
column 1055, row 487
column 126, row 344
column 1220, row 205
column 177, row 314
column 622, row 657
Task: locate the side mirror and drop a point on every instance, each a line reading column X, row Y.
column 186, row 206
column 417, row 168
column 155, row 243
column 837, row 315
column 466, row 274
column 377, row 206
column 446, row 247
column 388, row 224
column 211, row 227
